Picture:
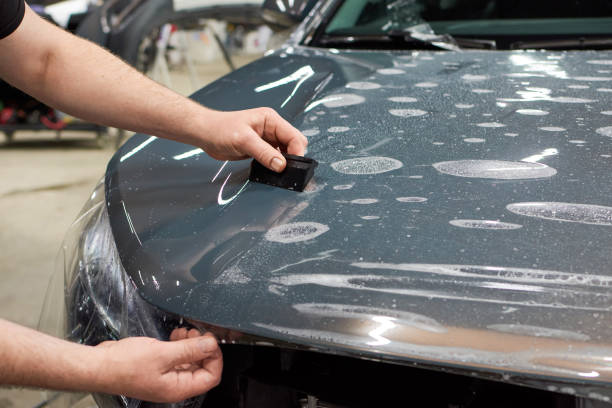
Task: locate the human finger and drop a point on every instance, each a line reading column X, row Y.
column 263, row 152
column 178, row 334
column 193, row 333
column 191, row 350
column 202, row 380
column 280, row 132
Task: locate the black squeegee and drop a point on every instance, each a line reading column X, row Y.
column 296, row 175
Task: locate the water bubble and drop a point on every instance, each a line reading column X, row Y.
column 569, row 212
column 491, row 125
column 296, row 232
column 605, row 131
column 511, row 134
column 390, row 71
column 463, row 106
column 474, row 140
column 568, row 99
column 411, row 199
column 536, row 331
column 339, row 100
column 604, row 89
column 338, row 129
column 369, row 217
column 485, row 224
column 407, row 113
column 344, row 186
column 403, row 99
column 474, row 78
column 495, row 169
column 363, row 85
column 532, row 112
column 592, row 78
column 600, row 62
column 482, row 91
column 552, row 129
column 578, row 86
column 364, row 201
column 426, row 85
column 367, row 165
column 606, row 113
column 311, row 132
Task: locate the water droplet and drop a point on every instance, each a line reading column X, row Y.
column 407, row 113
column 411, row 199
column 495, row 169
column 485, row 224
column 362, row 85
column 569, row 212
column 403, row 99
column 532, row 112
column 367, row 165
column 295, row 232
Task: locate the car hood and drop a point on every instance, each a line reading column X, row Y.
column 460, row 216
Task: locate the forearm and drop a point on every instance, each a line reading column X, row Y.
column 33, row 359
column 86, row 81
column 82, row 79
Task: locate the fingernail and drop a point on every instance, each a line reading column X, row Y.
column 206, row 344
column 276, row 164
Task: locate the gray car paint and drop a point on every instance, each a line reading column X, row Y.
column 424, row 251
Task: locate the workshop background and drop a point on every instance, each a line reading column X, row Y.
column 50, row 162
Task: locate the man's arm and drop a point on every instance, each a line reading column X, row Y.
column 138, row 367
column 80, row 78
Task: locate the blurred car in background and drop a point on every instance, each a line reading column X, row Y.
column 452, row 250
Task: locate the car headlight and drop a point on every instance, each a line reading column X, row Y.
column 91, row 299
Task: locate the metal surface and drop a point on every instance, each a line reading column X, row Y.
column 461, row 213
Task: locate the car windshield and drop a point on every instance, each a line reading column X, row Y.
column 507, row 22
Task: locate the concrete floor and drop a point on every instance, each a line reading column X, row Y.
column 44, row 185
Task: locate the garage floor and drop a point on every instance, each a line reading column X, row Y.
column 44, row 183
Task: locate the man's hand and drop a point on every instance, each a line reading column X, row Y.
column 257, row 133
column 151, row 370
column 49, row 64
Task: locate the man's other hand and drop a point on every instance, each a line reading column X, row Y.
column 159, row 371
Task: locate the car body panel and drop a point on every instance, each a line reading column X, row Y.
column 461, row 213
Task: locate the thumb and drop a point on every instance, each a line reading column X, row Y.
column 264, row 153
column 191, row 350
